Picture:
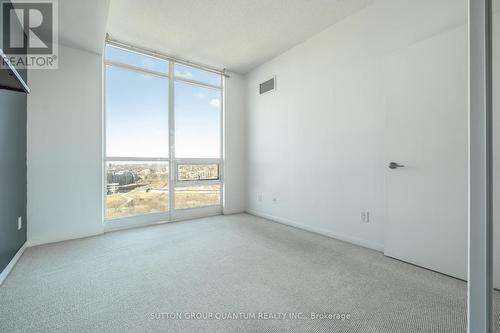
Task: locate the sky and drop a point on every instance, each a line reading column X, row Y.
column 137, row 110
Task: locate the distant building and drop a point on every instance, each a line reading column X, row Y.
column 121, row 177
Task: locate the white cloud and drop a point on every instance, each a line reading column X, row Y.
column 147, row 63
column 215, row 103
column 185, row 75
column 199, row 95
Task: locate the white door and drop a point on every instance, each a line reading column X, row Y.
column 427, row 119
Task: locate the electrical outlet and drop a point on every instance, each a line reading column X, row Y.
column 275, row 201
column 259, row 197
column 19, row 223
column 365, row 217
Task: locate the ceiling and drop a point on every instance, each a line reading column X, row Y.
column 82, row 24
column 235, row 34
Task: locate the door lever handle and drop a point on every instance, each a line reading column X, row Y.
column 394, row 165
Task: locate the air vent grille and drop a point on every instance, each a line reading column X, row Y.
column 267, row 86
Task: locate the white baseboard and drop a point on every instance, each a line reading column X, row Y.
column 345, row 238
column 36, row 242
column 232, row 211
column 12, row 263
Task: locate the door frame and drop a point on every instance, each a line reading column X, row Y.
column 480, row 260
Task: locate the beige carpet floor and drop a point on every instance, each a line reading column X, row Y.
column 234, row 273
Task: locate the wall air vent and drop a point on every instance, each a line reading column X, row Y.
column 267, row 86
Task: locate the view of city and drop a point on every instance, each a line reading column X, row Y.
column 197, row 172
column 142, row 188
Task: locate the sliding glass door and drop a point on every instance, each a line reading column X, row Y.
column 163, row 138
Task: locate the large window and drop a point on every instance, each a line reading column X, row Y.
column 136, row 114
column 197, row 121
column 163, row 136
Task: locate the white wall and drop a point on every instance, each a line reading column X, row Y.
column 64, row 149
column 234, row 153
column 317, row 143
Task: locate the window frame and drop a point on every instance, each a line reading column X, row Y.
column 172, row 214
